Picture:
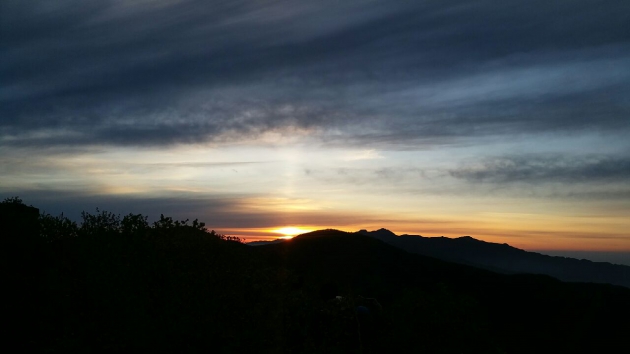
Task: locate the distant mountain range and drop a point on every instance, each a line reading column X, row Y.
column 262, row 243
column 504, row 258
column 501, row 258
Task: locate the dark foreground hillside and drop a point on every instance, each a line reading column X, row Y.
column 436, row 306
column 174, row 287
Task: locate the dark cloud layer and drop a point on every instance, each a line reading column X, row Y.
column 219, row 212
column 188, row 71
column 541, row 169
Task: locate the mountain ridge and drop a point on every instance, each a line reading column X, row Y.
column 504, row 258
column 495, row 257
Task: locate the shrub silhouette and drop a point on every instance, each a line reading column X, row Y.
column 13, row 200
column 57, row 227
column 134, row 223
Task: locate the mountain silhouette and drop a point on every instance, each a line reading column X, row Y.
column 504, row 258
column 440, row 306
column 262, row 243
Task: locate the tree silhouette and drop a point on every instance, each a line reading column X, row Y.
column 13, row 200
column 57, row 227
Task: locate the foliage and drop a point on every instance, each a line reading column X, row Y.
column 57, row 227
column 134, row 223
column 101, row 222
column 13, row 200
column 169, row 223
column 228, row 238
column 104, row 222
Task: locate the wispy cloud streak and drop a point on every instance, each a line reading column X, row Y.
column 187, row 71
column 539, row 169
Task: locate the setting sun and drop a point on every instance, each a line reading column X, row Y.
column 290, row 231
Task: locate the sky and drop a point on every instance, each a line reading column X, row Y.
column 506, row 121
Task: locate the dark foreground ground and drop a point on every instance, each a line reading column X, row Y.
column 123, row 285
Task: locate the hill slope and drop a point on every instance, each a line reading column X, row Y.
column 506, row 259
column 438, row 306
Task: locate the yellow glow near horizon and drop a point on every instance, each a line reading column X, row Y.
column 290, row 231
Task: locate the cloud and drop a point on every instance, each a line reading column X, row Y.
column 80, row 73
column 219, row 212
column 546, row 169
column 363, row 155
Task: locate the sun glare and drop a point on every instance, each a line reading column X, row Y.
column 289, row 232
